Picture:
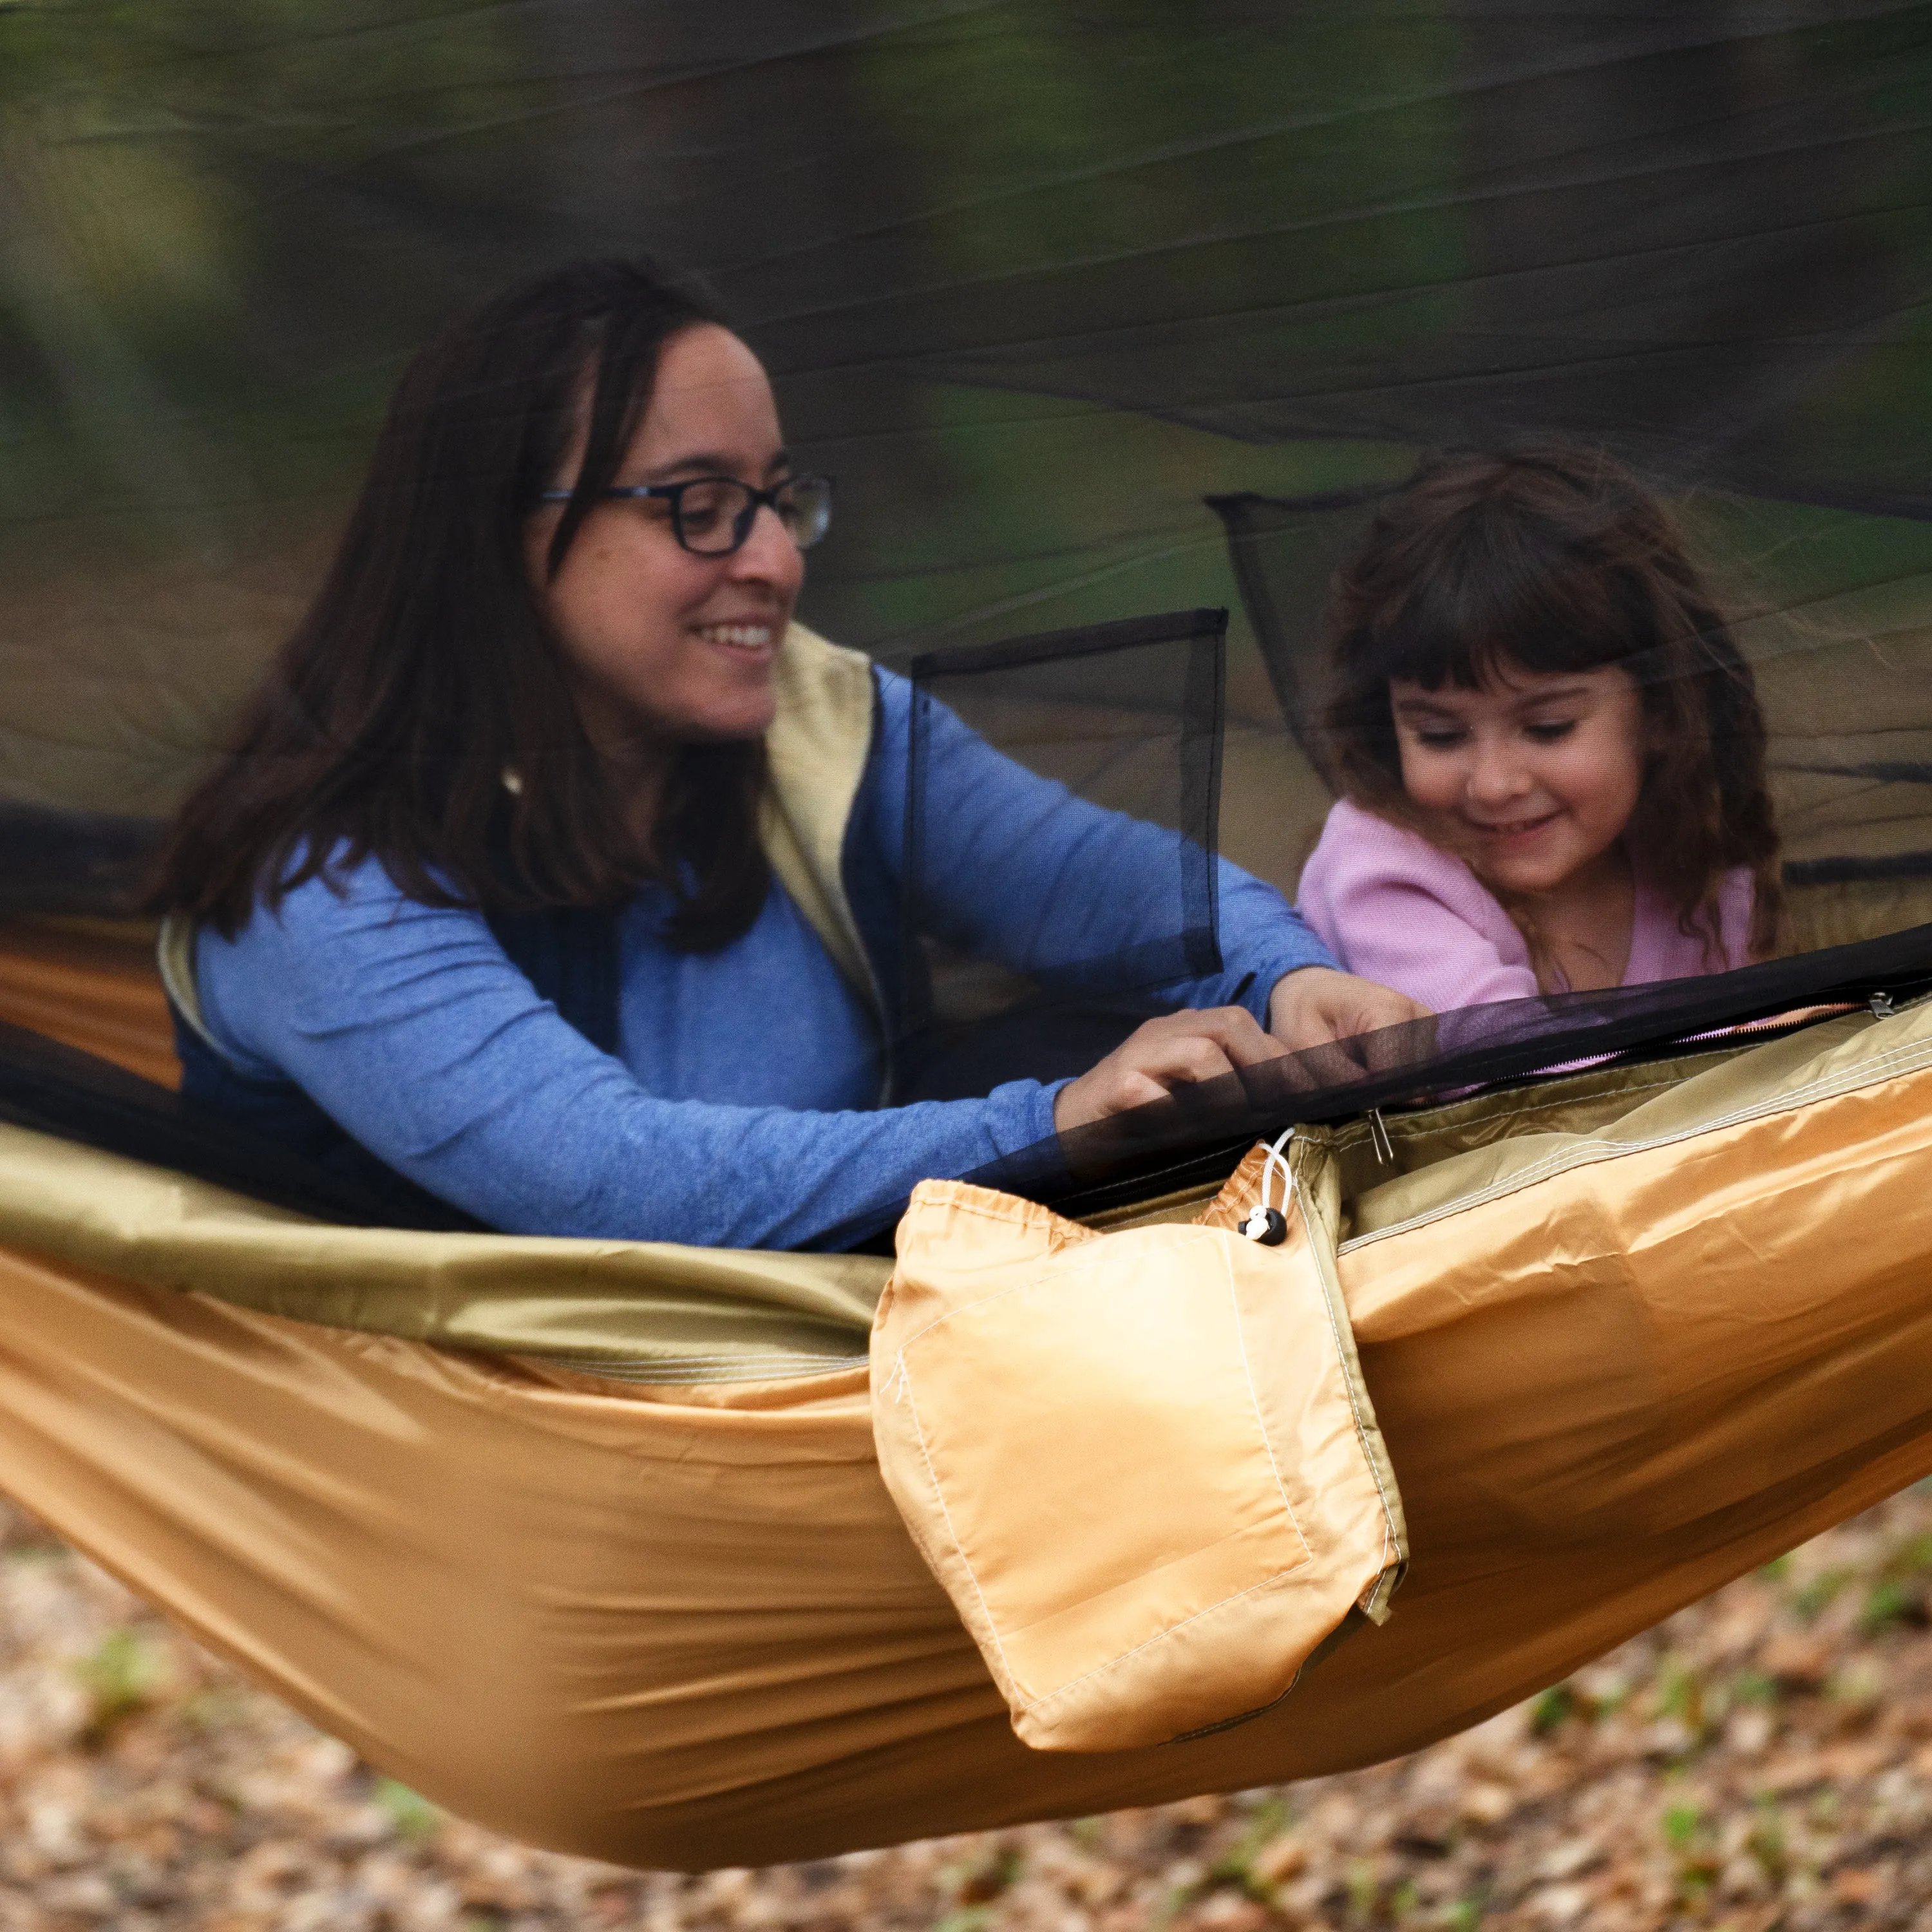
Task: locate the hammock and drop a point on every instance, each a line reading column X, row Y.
column 1619, row 1354
column 1095, row 311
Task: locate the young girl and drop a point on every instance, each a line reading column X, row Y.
column 1548, row 745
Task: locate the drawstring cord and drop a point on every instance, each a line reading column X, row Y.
column 1263, row 1223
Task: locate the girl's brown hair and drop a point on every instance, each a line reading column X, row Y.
column 424, row 671
column 1555, row 558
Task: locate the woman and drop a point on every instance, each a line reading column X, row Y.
column 532, row 870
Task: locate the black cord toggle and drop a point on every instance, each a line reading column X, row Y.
column 1266, row 1225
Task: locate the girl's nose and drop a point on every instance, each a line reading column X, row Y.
column 1495, row 777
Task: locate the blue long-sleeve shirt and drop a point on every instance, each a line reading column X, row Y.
column 739, row 1109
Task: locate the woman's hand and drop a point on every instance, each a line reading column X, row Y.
column 1316, row 1005
column 1309, row 1008
column 1161, row 1055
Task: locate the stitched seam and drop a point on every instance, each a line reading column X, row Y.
column 1591, row 1149
column 688, row 1369
column 1011, row 1220
column 1348, row 1380
column 704, row 1361
column 1181, row 1166
column 1158, row 1637
column 904, row 1378
column 1020, row 1288
column 1261, row 1421
column 1532, row 1103
column 1531, row 1106
column 1589, row 1153
column 1398, row 1137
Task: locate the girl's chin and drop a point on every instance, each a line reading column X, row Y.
column 1523, row 881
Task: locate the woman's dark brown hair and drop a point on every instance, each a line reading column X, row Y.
column 424, row 671
column 1555, row 558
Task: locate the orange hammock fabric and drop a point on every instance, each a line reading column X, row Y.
column 92, row 984
column 685, row 1626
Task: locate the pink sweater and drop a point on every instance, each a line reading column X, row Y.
column 1393, row 908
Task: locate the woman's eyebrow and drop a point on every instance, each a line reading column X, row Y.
column 707, row 462
column 1563, row 693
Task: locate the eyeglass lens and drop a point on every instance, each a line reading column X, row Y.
column 714, row 515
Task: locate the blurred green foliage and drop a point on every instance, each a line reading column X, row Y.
column 413, row 1817
column 119, row 1675
column 1035, row 276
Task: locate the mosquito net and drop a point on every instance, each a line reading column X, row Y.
column 1094, row 311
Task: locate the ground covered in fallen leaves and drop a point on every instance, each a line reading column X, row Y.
column 1762, row 1760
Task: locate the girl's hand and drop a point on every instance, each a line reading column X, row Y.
column 1316, row 1005
column 1165, row 1053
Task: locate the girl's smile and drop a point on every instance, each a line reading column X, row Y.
column 1533, row 776
column 1531, row 677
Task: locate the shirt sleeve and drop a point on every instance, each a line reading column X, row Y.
column 1397, row 911
column 1017, row 868
column 409, row 1026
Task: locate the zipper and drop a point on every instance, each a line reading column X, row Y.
column 1757, row 1032
column 1588, row 1152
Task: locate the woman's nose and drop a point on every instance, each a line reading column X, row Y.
column 768, row 555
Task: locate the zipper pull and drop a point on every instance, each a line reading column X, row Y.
column 1881, row 1006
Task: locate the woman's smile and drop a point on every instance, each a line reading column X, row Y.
column 750, row 638
column 663, row 645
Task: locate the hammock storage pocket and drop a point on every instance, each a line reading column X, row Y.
column 1143, row 1464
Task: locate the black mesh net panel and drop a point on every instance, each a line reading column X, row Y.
column 1034, row 279
column 76, row 862
column 1110, row 859
column 1829, row 607
column 1200, row 1131
column 1093, row 309
column 56, row 1089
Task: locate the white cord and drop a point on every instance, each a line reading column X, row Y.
column 1273, row 1165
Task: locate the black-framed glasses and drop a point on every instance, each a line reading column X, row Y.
column 712, row 516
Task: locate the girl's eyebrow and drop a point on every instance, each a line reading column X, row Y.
column 1563, row 693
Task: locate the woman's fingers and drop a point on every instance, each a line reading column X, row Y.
column 1176, row 1061
column 1233, row 1030
column 1173, row 1051
column 1312, row 1007
column 1136, row 1089
column 1315, row 1006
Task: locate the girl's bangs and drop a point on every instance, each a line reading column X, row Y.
column 1468, row 628
column 1410, row 653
